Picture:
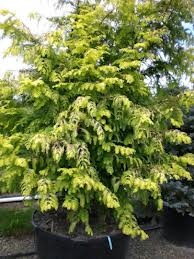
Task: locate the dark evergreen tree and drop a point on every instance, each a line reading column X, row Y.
column 179, row 195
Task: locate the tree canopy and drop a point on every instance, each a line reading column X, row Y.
column 89, row 120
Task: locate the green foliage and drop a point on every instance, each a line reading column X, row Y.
column 84, row 123
column 179, row 195
column 175, row 136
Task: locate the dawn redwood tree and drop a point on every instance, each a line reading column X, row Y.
column 84, row 127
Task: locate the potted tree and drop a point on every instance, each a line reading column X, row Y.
column 179, row 197
column 84, row 126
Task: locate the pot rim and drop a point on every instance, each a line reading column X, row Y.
column 117, row 233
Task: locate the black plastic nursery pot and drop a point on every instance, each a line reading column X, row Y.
column 178, row 228
column 56, row 246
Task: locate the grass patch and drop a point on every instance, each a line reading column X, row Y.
column 15, row 221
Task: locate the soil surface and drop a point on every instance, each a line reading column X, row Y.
column 156, row 247
column 56, row 222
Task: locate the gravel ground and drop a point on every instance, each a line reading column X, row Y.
column 156, row 247
column 15, row 245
